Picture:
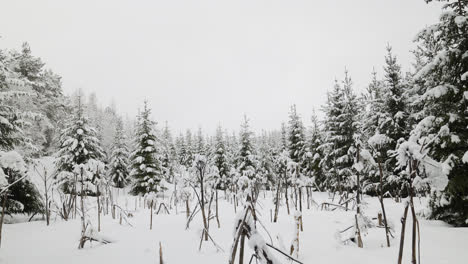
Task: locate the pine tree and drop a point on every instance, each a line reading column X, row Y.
column 372, row 101
column 296, row 139
column 78, row 145
column 392, row 120
column 23, row 196
column 118, row 166
column 444, row 87
column 28, row 65
column 181, row 149
column 349, row 128
column 265, row 163
column 340, row 128
column 313, row 154
column 220, row 158
column 169, row 155
column 146, row 160
column 199, row 147
column 284, row 137
column 10, row 116
column 246, row 157
column 189, row 149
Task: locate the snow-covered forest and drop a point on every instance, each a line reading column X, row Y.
column 379, row 176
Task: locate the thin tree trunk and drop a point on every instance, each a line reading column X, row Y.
column 5, row 197
column 217, row 215
column 83, row 220
column 241, row 249
column 277, row 200
column 300, row 199
column 402, row 237
column 413, row 244
column 202, row 207
column 151, row 215
column 286, row 196
column 382, row 205
column 46, row 196
column 160, row 254
column 99, row 208
column 358, row 232
column 187, row 208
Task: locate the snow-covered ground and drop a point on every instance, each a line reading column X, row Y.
column 34, row 242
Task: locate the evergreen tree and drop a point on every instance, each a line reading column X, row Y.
column 23, row 196
column 189, row 149
column 265, row 163
column 313, row 154
column 284, row 137
column 28, row 65
column 10, row 116
column 340, row 128
column 200, row 145
column 296, row 139
column 78, row 145
column 246, row 158
column 118, row 166
column 147, row 170
column 443, row 80
column 392, row 121
column 392, row 116
column 169, row 155
column 220, row 158
column 181, row 149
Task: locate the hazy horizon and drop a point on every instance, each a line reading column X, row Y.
column 211, row 62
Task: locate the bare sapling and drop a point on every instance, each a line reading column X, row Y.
column 295, row 243
column 46, row 180
column 277, row 199
column 161, row 261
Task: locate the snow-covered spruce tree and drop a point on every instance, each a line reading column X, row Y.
column 18, row 194
column 147, row 171
column 21, row 73
column 313, row 154
column 181, row 149
column 10, row 116
column 444, row 83
column 296, row 138
column 78, row 144
column 232, row 148
column 22, row 197
column 392, row 119
column 340, row 127
column 372, row 103
column 246, row 160
column 118, row 165
column 47, row 100
column 284, row 137
column 297, row 153
column 169, row 155
column 265, row 167
column 189, row 149
column 200, row 145
column 220, row 159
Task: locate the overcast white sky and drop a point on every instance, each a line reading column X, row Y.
column 200, row 63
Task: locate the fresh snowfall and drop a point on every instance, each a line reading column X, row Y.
column 379, row 175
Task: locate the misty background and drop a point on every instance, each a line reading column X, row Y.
column 204, row 63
